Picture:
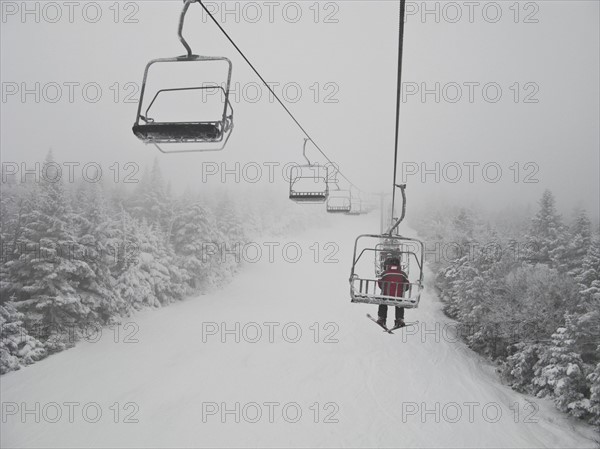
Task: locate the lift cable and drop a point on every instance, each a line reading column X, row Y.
column 399, row 86
column 274, row 94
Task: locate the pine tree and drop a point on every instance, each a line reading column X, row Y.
column 149, row 278
column 16, row 345
column 464, row 225
column 229, row 221
column 14, row 201
column 49, row 268
column 588, row 278
column 151, row 200
column 579, row 241
column 195, row 240
column 594, row 408
column 560, row 372
column 98, row 233
column 540, row 295
column 546, row 239
column 519, row 367
column 133, row 283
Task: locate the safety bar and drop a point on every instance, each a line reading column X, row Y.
column 369, row 291
column 176, row 89
column 192, row 58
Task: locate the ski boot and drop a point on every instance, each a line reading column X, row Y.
column 381, row 321
column 399, row 323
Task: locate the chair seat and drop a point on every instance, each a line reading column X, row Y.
column 308, row 196
column 338, row 209
column 178, row 132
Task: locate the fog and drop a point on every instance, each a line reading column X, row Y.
column 495, row 108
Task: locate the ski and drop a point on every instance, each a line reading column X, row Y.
column 383, row 326
column 412, row 323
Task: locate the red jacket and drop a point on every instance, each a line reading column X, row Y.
column 394, row 282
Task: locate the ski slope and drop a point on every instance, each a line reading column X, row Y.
column 371, row 389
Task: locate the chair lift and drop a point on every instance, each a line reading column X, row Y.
column 309, row 183
column 367, row 285
column 215, row 130
column 355, row 205
column 339, row 201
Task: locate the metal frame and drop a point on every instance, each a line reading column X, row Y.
column 312, row 197
column 223, row 127
column 366, row 290
column 355, row 205
column 304, row 197
column 344, row 194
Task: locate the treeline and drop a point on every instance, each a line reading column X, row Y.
column 80, row 255
column 526, row 292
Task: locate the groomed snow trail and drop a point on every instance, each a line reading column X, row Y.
column 379, row 390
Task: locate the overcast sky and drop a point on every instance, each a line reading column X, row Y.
column 340, row 59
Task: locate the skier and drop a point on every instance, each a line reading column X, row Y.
column 394, row 282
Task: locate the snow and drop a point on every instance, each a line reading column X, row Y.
column 166, row 369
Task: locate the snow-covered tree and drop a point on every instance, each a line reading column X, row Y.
column 49, row 268
column 546, row 239
column 149, row 276
column 98, row 233
column 519, row 366
column 229, row 220
column 560, row 372
column 537, row 316
column 90, row 253
column 17, row 347
column 196, row 241
column 594, row 407
column 579, row 241
column 151, row 200
column 589, row 274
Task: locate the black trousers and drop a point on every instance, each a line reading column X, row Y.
column 383, row 312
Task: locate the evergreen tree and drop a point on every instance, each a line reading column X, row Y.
column 133, row 283
column 151, row 278
column 98, row 233
column 464, row 226
column 580, row 239
column 560, row 372
column 588, row 278
column 539, row 294
column 195, row 239
column 229, row 220
column 594, row 408
column 15, row 202
column 546, row 239
column 519, row 367
column 16, row 345
column 48, row 271
column 551, row 295
column 151, row 201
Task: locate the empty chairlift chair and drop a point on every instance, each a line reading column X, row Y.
column 339, row 202
column 309, row 183
column 355, row 206
column 205, row 130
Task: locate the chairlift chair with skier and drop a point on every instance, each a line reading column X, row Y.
column 367, row 284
